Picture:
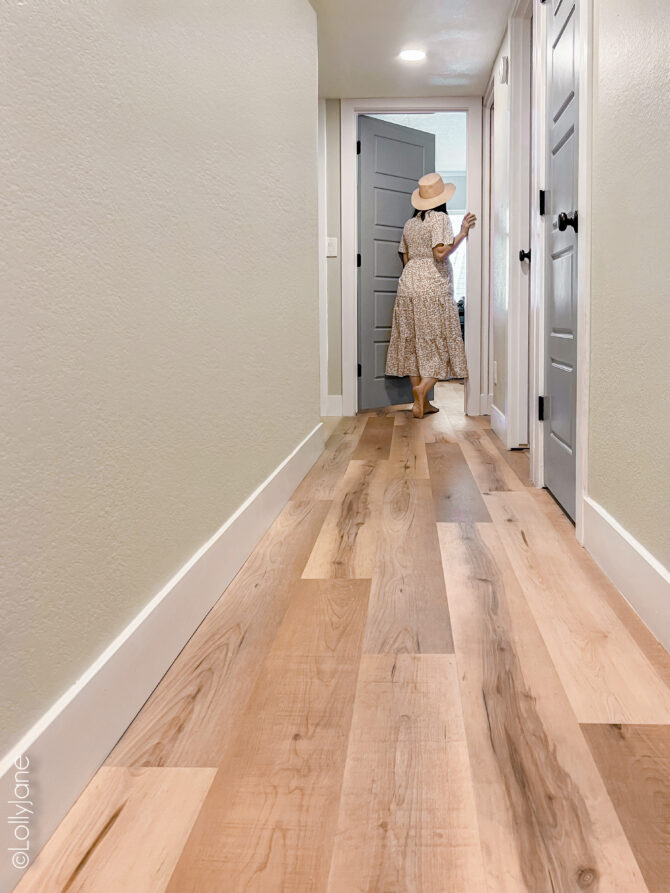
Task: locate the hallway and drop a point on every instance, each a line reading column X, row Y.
column 419, row 681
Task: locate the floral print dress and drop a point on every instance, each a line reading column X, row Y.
column 426, row 335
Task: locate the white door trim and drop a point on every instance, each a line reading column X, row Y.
column 516, row 410
column 322, row 226
column 486, row 383
column 538, row 179
column 538, row 239
column 584, row 256
column 350, row 109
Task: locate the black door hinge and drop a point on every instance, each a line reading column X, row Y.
column 540, row 409
column 358, row 260
column 358, row 147
column 543, row 199
column 359, row 370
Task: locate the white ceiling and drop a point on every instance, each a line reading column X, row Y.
column 359, row 41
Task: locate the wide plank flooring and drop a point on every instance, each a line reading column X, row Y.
column 418, row 683
column 634, row 762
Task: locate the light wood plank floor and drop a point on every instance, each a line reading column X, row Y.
column 418, row 683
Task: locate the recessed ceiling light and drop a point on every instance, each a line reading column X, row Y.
column 412, row 55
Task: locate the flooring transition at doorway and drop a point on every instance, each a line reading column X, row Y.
column 417, row 682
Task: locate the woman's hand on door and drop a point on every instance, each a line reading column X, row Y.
column 469, row 221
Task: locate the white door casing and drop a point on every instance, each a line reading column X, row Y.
column 488, row 137
column 516, row 410
column 510, row 229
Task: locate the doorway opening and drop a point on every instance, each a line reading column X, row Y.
column 509, row 259
column 395, row 150
column 391, row 208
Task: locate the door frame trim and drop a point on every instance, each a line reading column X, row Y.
column 538, row 237
column 322, row 229
column 584, row 190
column 486, row 384
column 538, row 233
column 519, row 277
column 349, row 111
column 511, row 421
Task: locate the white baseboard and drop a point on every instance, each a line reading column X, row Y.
column 73, row 738
column 641, row 578
column 499, row 423
column 333, row 405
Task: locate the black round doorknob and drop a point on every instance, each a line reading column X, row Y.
column 566, row 220
column 524, row 255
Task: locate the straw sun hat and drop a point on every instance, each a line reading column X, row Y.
column 432, row 192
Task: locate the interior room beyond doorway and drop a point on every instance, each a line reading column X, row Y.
column 450, row 130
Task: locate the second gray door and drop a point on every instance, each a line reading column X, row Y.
column 392, row 158
column 561, row 296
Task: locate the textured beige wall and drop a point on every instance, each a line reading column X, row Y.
column 629, row 430
column 334, row 264
column 500, row 231
column 159, row 276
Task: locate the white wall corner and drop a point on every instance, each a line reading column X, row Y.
column 638, row 575
column 73, row 738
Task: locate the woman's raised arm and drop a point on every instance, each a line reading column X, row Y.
column 441, row 251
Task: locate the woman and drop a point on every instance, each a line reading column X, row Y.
column 426, row 341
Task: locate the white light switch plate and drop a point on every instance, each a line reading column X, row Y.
column 331, row 246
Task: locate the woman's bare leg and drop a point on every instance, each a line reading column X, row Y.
column 417, row 406
column 420, row 391
column 427, row 384
column 417, row 411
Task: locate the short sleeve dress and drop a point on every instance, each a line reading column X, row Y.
column 426, row 335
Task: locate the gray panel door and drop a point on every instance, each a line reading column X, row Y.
column 391, row 160
column 561, row 300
